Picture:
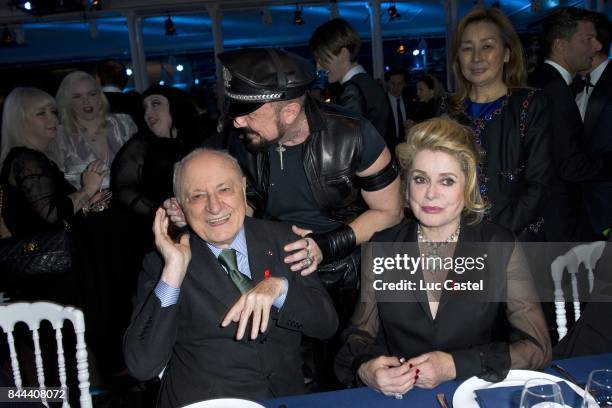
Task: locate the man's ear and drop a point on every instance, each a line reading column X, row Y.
column 345, row 55
column 249, row 210
column 558, row 46
column 290, row 112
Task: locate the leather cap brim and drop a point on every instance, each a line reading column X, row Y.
column 234, row 108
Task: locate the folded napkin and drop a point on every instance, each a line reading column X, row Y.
column 510, row 397
column 581, row 367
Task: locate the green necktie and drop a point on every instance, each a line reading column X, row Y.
column 227, row 258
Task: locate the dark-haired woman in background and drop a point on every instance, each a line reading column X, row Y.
column 142, row 171
column 510, row 122
column 429, row 91
column 141, row 179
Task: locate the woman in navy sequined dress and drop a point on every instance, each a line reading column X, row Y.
column 510, row 121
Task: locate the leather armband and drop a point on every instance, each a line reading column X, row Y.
column 381, row 179
column 336, row 244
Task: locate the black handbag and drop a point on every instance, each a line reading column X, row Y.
column 45, row 252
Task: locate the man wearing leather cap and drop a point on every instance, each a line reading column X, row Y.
column 321, row 168
column 317, row 167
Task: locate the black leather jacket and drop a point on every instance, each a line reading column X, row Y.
column 331, row 155
column 363, row 95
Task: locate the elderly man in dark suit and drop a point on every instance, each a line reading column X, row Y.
column 595, row 103
column 219, row 309
column 569, row 45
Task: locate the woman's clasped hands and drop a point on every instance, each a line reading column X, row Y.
column 394, row 376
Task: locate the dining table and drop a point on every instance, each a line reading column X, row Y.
column 578, row 367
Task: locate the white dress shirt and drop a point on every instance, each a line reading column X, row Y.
column 357, row 69
column 564, row 72
column 582, row 99
column 111, row 88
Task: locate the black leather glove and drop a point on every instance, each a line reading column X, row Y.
column 336, row 244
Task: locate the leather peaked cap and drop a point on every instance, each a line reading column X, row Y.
column 254, row 76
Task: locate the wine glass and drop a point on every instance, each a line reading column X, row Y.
column 541, row 393
column 599, row 387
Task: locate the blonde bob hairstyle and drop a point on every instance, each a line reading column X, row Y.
column 445, row 135
column 16, row 107
column 64, row 98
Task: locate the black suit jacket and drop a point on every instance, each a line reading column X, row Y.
column 401, row 136
column 573, row 165
column 598, row 139
column 517, row 165
column 128, row 103
column 202, row 359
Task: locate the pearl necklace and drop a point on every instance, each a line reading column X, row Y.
column 434, row 246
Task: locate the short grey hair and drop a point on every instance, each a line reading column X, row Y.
column 178, row 167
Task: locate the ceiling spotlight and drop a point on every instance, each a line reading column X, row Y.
column 162, row 82
column 297, row 16
column 169, row 24
column 393, row 14
column 415, row 52
column 7, row 37
column 180, row 68
column 95, row 5
column 27, row 5
column 128, row 71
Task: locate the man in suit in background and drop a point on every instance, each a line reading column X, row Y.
column 569, row 44
column 396, row 83
column 595, row 103
column 113, row 79
column 220, row 310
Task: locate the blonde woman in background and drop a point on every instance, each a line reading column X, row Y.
column 36, row 197
column 88, row 131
